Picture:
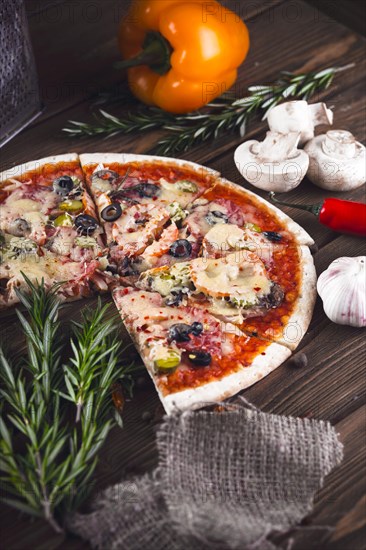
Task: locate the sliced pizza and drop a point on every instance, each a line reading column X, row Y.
column 220, row 223
column 141, row 203
column 273, row 303
column 76, row 279
column 193, row 358
column 46, row 201
column 49, row 229
column 220, row 285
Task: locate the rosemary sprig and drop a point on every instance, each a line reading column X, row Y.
column 222, row 116
column 46, row 459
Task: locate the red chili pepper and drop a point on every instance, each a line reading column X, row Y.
column 339, row 215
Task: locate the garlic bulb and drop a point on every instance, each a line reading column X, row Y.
column 342, row 287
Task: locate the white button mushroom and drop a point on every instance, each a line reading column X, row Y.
column 299, row 116
column 274, row 164
column 337, row 161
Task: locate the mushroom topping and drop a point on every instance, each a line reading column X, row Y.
column 19, row 227
column 337, row 161
column 274, row 164
column 103, row 180
column 299, row 116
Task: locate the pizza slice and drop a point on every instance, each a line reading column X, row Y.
column 215, row 225
column 274, row 303
column 49, row 229
column 226, row 220
column 227, row 203
column 142, row 201
column 77, row 279
column 45, row 201
column 193, row 358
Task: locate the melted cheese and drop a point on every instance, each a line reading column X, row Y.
column 34, row 211
column 171, row 193
column 23, row 205
column 37, row 222
column 244, row 279
column 135, row 237
column 165, row 279
column 217, row 240
column 221, row 308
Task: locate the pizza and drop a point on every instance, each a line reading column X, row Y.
column 215, row 286
column 49, row 229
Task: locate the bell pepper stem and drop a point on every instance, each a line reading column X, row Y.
column 155, row 53
column 313, row 208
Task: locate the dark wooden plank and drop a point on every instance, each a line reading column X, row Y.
column 88, row 31
column 333, row 384
column 349, row 48
column 35, row 7
column 349, row 12
column 330, row 387
column 340, row 504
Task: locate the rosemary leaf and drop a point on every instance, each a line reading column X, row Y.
column 48, row 474
column 220, row 117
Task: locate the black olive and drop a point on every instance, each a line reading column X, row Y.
column 199, row 358
column 63, row 185
column 112, row 269
column 111, row 212
column 85, row 224
column 142, row 190
column 19, row 227
column 174, row 299
column 179, row 332
column 141, row 221
column 126, row 268
column 274, row 298
column 272, row 236
column 105, row 175
column 196, row 328
column 215, row 216
column 147, row 190
column 180, row 248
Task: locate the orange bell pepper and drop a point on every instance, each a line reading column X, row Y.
column 180, row 55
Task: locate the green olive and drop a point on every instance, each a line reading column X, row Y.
column 253, row 227
column 187, row 186
column 65, row 220
column 71, row 206
column 168, row 362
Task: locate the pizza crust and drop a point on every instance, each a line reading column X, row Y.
column 125, row 158
column 302, row 237
column 277, row 351
column 217, row 391
column 22, row 169
column 300, row 318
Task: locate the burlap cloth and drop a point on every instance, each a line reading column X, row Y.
column 225, row 480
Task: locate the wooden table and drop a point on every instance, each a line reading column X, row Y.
column 75, row 45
